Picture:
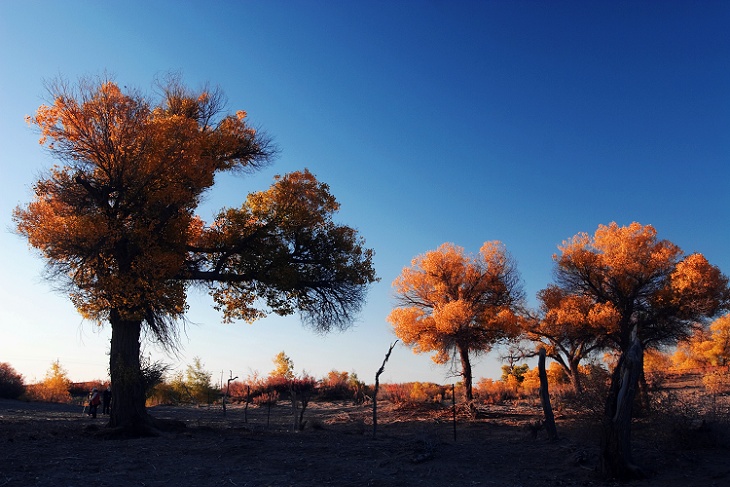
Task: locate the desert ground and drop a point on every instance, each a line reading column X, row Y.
column 45, row 444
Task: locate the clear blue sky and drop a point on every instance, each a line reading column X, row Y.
column 432, row 121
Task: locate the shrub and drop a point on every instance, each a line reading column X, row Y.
column 591, row 401
column 336, row 386
column 489, row 391
column 269, row 398
column 11, row 382
column 163, row 393
column 531, row 381
column 413, row 393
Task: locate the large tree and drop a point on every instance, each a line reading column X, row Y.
column 659, row 294
column 457, row 304
column 116, row 223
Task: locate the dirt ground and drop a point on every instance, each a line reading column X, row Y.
column 57, row 445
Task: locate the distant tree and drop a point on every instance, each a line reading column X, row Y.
column 570, row 328
column 12, row 385
column 516, row 371
column 706, row 347
column 56, row 384
column 199, row 382
column 456, row 304
column 691, row 353
column 283, row 366
column 658, row 293
column 116, row 223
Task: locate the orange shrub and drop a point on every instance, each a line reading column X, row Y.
column 531, row 381
column 490, row 391
column 413, row 392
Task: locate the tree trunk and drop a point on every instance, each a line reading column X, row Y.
column 466, row 372
column 545, row 398
column 616, row 461
column 644, row 400
column 128, row 395
column 575, row 379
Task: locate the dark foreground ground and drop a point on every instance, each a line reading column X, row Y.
column 56, row 445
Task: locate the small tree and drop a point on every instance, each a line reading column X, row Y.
column 284, row 366
column 55, row 386
column 11, row 382
column 198, row 382
column 457, row 305
column 570, row 328
column 516, row 371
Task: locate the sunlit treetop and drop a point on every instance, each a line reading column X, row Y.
column 116, row 219
column 448, row 300
column 649, row 282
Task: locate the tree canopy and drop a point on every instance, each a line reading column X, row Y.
column 456, row 304
column 116, row 222
column 650, row 283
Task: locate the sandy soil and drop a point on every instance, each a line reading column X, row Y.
column 57, row 445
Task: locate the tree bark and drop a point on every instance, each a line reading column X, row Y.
column 466, row 372
column 545, row 398
column 128, row 396
column 616, row 460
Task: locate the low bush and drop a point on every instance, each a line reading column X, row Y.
column 413, row 393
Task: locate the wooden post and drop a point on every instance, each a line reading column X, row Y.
column 377, row 386
column 228, row 390
column 545, row 398
column 248, row 399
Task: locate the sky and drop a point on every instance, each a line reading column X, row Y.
column 432, row 121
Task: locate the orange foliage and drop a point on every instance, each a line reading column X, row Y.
column 706, row 347
column 413, row 392
column 54, row 387
column 649, row 282
column 453, row 303
column 572, row 327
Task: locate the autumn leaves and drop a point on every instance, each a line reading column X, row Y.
column 607, row 284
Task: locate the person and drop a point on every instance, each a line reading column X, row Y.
column 106, row 399
column 94, row 402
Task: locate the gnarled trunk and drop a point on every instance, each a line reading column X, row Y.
column 466, row 372
column 616, row 461
column 128, row 395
